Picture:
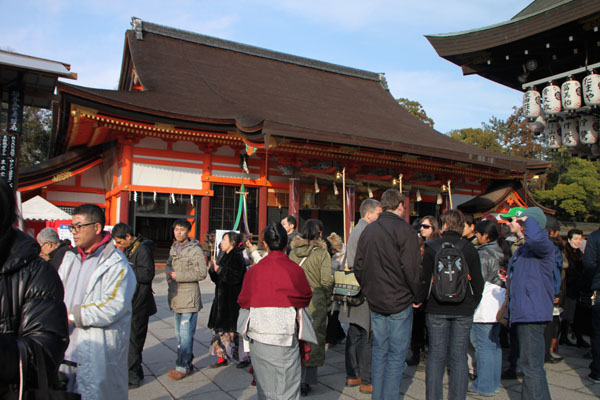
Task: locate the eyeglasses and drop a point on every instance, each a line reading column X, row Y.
column 77, row 228
column 425, row 226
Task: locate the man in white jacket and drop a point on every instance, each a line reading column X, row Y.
column 99, row 286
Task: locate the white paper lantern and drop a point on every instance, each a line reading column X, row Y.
column 538, row 125
column 591, row 89
column 588, row 129
column 570, row 136
column 571, row 95
column 551, row 99
column 532, row 104
column 553, row 138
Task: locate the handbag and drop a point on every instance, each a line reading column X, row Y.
column 346, row 289
column 491, row 302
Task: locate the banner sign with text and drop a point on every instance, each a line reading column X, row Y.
column 8, row 158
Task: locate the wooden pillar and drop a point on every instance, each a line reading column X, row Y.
column 407, row 207
column 350, row 209
column 294, row 199
column 126, row 173
column 262, row 208
column 204, row 218
column 191, row 212
column 123, row 209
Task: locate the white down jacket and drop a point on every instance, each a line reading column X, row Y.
column 104, row 319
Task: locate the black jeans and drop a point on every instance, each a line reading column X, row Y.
column 139, row 329
column 595, row 338
column 513, row 355
column 358, row 354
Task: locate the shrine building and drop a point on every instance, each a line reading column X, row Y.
column 195, row 117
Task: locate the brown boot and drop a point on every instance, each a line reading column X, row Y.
column 366, row 389
column 351, row 382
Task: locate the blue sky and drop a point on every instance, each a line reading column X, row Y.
column 376, row 35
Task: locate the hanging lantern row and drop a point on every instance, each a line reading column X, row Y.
column 576, row 127
column 568, row 97
column 171, row 199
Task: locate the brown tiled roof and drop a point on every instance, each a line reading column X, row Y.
column 196, row 78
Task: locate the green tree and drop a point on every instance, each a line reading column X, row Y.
column 576, row 195
column 479, row 137
column 416, row 109
column 35, row 138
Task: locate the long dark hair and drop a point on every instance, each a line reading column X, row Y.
column 234, row 237
column 312, row 229
column 435, row 226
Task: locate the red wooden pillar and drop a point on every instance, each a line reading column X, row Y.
column 126, row 173
column 262, row 208
column 204, row 218
column 407, row 207
column 350, row 209
column 294, row 198
column 123, row 208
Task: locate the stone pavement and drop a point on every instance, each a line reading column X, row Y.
column 567, row 379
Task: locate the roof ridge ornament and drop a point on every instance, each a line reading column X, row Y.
column 383, row 81
column 136, row 24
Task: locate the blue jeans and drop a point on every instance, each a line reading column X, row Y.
column 488, row 353
column 532, row 351
column 448, row 344
column 185, row 328
column 391, row 338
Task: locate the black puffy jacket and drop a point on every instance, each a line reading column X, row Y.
column 31, row 309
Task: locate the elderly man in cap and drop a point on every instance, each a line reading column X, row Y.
column 530, row 292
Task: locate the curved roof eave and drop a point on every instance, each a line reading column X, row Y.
column 449, row 44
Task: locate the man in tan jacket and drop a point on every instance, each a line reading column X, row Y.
column 186, row 266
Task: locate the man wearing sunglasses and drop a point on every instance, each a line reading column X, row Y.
column 517, row 237
column 99, row 286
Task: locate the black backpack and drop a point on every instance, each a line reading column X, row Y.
column 450, row 279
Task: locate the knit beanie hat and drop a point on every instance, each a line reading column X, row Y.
column 537, row 214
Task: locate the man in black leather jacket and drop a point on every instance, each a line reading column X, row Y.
column 32, row 311
column 140, row 253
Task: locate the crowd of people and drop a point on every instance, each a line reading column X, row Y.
column 432, row 292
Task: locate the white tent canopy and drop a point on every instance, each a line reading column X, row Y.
column 38, row 208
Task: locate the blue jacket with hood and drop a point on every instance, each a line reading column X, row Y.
column 531, row 277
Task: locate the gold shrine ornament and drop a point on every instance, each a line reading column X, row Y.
column 62, row 176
